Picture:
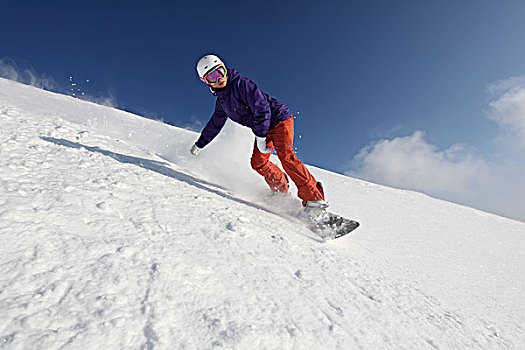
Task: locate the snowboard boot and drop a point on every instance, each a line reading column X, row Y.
column 313, row 210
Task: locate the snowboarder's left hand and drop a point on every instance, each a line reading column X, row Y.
column 195, row 150
column 261, row 144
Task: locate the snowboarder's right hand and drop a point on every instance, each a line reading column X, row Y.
column 261, row 144
column 195, row 150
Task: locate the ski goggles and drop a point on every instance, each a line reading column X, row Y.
column 213, row 76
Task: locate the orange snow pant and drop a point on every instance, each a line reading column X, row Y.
column 280, row 137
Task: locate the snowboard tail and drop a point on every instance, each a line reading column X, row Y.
column 329, row 225
column 333, row 226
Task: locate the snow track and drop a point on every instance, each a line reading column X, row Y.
column 104, row 245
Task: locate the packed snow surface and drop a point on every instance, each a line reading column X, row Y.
column 112, row 236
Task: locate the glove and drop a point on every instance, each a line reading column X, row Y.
column 261, row 144
column 195, row 150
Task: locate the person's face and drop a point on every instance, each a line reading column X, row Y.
column 221, row 83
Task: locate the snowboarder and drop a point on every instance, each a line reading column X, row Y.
column 239, row 99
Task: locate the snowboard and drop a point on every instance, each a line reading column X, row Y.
column 323, row 223
column 328, row 225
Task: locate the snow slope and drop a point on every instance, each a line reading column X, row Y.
column 113, row 237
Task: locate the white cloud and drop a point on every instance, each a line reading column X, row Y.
column 459, row 173
column 508, row 111
column 412, row 163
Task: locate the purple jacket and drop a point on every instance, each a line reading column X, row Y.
column 243, row 102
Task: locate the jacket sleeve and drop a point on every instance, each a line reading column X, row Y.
column 214, row 126
column 259, row 105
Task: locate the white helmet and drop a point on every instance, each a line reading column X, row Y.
column 206, row 64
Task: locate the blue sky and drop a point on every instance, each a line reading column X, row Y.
column 353, row 72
